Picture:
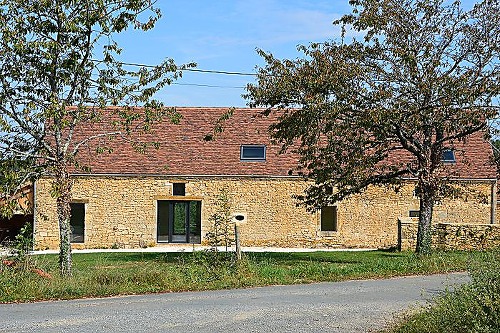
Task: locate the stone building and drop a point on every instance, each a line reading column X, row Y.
column 166, row 194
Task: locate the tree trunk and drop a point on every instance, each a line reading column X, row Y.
column 424, row 234
column 62, row 186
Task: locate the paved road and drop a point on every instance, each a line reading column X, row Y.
column 352, row 306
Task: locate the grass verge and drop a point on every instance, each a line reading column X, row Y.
column 106, row 274
column 474, row 307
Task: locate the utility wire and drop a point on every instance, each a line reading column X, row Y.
column 206, row 85
column 218, row 72
column 197, row 70
column 192, row 69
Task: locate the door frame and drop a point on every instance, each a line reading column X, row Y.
column 187, row 220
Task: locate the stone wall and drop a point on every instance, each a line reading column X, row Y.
column 121, row 211
column 452, row 236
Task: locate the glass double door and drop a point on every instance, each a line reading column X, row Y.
column 179, row 221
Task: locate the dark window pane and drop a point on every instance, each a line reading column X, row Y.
column 253, row 152
column 195, row 222
column 329, row 218
column 77, row 222
column 162, row 220
column 448, row 156
column 179, row 189
column 414, row 213
column 179, row 221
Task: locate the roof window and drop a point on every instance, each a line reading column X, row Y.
column 253, row 153
column 448, row 156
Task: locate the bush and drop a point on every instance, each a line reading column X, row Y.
column 21, row 246
column 213, row 265
column 474, row 307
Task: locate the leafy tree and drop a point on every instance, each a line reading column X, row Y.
column 423, row 76
column 221, row 231
column 58, row 69
column 14, row 175
column 495, row 144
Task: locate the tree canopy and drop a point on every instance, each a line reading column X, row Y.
column 59, row 67
column 418, row 77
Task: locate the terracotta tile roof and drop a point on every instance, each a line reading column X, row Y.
column 183, row 150
column 473, row 159
column 23, row 198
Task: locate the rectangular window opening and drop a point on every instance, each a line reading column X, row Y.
column 179, row 189
column 253, row 153
column 329, row 218
column 77, row 222
column 448, row 156
column 414, row 213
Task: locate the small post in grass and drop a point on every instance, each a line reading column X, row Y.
column 237, row 240
column 238, row 219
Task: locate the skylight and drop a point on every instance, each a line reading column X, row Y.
column 253, row 153
column 448, row 156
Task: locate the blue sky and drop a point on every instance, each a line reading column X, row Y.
column 223, row 35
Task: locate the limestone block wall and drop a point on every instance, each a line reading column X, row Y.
column 121, row 211
column 453, row 236
column 370, row 219
column 497, row 211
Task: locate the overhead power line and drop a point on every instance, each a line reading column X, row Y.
column 218, row 72
column 198, row 70
column 206, row 85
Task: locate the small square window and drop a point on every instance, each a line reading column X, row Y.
column 448, row 156
column 179, row 189
column 329, row 218
column 253, row 153
column 414, row 213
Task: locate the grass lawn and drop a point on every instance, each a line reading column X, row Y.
column 106, row 274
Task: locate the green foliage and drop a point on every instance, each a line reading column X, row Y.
column 219, row 125
column 221, row 230
column 59, row 68
column 20, row 249
column 496, row 152
column 422, row 78
column 14, row 176
column 105, row 274
column 212, row 265
column 23, row 242
column 471, row 308
column 220, row 234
